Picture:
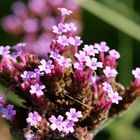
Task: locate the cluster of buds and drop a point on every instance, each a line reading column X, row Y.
column 77, row 86
column 32, row 21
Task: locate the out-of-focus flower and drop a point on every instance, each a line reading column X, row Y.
column 136, row 73
column 8, row 112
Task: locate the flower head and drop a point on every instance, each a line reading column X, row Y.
column 37, row 89
column 113, row 53
column 81, row 56
column 63, row 40
column 57, row 123
column 93, row 64
column 90, row 49
column 110, row 72
column 68, row 126
column 102, row 47
column 64, row 62
column 46, row 66
column 8, row 112
column 73, row 115
column 33, row 119
column 114, row 97
column 76, row 41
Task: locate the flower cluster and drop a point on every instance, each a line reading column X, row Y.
column 34, row 20
column 66, row 79
column 67, row 125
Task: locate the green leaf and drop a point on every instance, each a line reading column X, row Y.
column 112, row 17
column 12, row 97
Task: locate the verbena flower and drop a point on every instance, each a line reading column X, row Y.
column 110, row 72
column 8, row 112
column 57, row 123
column 37, row 90
column 73, row 115
column 46, row 66
column 33, row 119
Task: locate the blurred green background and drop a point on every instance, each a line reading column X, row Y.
column 118, row 23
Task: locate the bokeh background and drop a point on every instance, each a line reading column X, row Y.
column 118, row 23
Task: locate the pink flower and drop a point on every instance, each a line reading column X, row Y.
column 59, row 29
column 114, row 97
column 90, row 50
column 110, row 72
column 70, row 27
column 93, row 64
column 55, row 54
column 78, row 66
column 107, row 87
column 63, row 40
column 75, row 41
column 65, row 11
column 113, row 53
column 64, row 62
column 56, row 123
column 81, row 56
column 37, row 89
column 136, row 73
column 73, row 115
column 102, row 47
column 33, row 119
column 68, row 126
column 46, row 66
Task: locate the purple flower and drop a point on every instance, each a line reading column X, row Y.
column 136, row 73
column 31, row 25
column 70, row 27
column 64, row 62
column 46, row 66
column 93, row 64
column 113, row 53
column 59, row 29
column 8, row 112
column 73, row 115
column 55, row 54
column 107, row 87
column 65, row 11
column 110, row 72
column 57, row 123
column 38, row 6
column 37, row 74
column 37, row 89
column 114, row 97
column 27, row 75
column 78, row 66
column 102, row 47
column 81, row 56
column 33, row 119
column 63, row 40
column 75, row 41
column 90, row 50
column 68, row 126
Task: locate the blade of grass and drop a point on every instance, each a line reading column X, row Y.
column 112, row 17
